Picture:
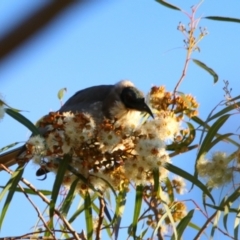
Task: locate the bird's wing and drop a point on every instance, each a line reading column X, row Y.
column 84, row 99
column 9, row 158
column 14, row 156
column 88, row 100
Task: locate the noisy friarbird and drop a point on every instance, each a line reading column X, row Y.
column 103, row 101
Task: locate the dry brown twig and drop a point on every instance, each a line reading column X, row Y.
column 28, row 184
column 38, row 212
column 100, row 217
column 190, row 41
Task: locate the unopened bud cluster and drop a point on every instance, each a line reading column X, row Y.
column 179, row 105
column 190, row 40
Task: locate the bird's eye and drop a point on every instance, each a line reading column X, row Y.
column 128, row 96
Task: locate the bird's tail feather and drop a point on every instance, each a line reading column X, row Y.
column 10, row 158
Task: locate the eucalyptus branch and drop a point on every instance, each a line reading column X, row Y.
column 28, row 184
column 209, row 220
column 100, row 217
column 191, row 42
column 38, row 212
column 154, row 207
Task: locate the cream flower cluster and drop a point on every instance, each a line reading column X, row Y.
column 216, row 170
column 111, row 152
column 114, row 152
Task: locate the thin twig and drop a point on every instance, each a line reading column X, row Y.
column 205, row 226
column 38, row 212
column 183, row 73
column 28, row 184
column 153, row 205
column 209, row 220
column 191, row 46
column 100, row 217
column 30, row 234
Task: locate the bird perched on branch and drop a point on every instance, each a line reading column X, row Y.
column 120, row 101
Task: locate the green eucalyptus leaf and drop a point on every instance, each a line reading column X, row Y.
column 61, row 93
column 211, row 134
column 88, row 215
column 120, row 206
column 137, row 209
column 11, row 184
column 23, row 120
column 208, row 69
column 189, row 177
column 69, row 198
column 63, row 165
column 224, row 19
column 183, row 224
column 168, row 5
column 8, row 146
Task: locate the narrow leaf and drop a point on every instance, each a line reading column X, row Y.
column 11, row 184
column 88, row 215
column 236, row 228
column 61, row 93
column 194, row 226
column 205, row 125
column 69, row 198
column 208, row 69
column 232, row 210
column 168, row 5
column 63, row 164
column 156, row 180
column 188, row 177
column 120, row 206
column 225, row 216
column 211, row 134
column 215, row 224
column 142, row 234
column 219, row 139
column 8, row 146
column 137, row 209
column 225, row 110
column 169, row 189
column 30, row 191
column 20, row 118
column 4, row 103
column 225, row 19
column 183, row 224
column 169, row 215
column 234, row 196
column 80, row 209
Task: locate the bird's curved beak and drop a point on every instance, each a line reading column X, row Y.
column 146, row 108
column 143, row 107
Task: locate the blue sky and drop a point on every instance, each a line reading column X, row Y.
column 102, row 43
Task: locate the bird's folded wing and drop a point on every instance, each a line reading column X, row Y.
column 89, row 100
column 85, row 98
column 10, row 158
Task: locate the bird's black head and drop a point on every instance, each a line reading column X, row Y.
column 132, row 98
